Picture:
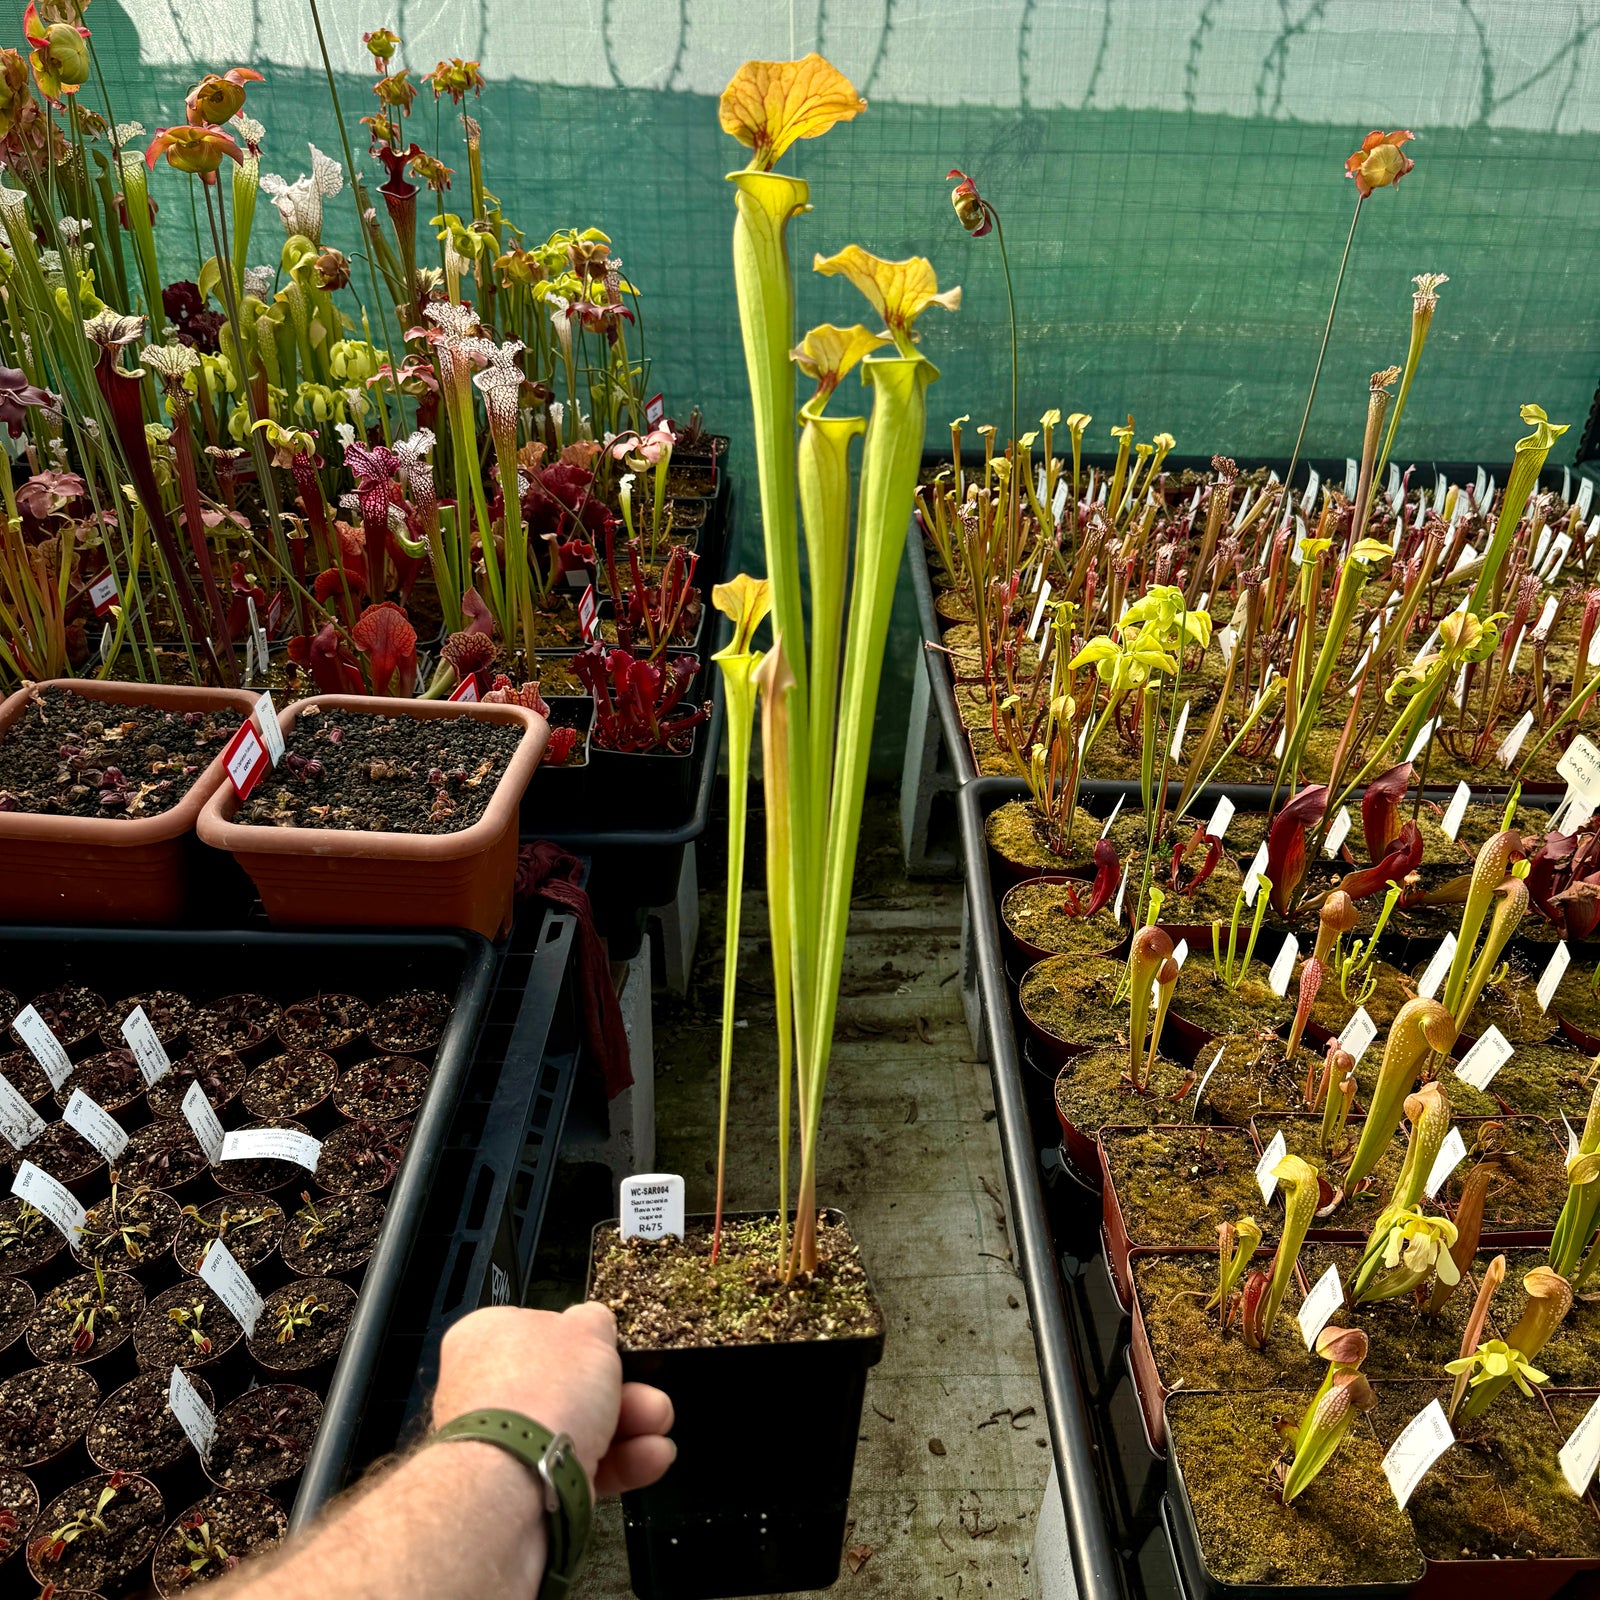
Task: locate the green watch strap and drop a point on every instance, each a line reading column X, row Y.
column 553, row 1460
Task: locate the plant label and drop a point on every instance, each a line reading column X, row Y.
column 245, row 760
column 1277, row 749
column 1207, row 1079
column 1220, row 818
column 105, row 643
column 1178, row 732
column 1433, row 973
column 1455, row 813
column 1122, row 891
column 1325, row 1298
column 1422, row 1441
column 195, row 1417
column 1585, row 496
column 1557, row 558
column 203, row 1123
column 1478, row 487
column 258, row 634
column 1059, row 504
column 43, row 1046
column 655, row 410
column 146, row 1045
column 1594, row 649
column 1479, row 1065
column 1425, row 733
column 1181, row 954
column 1580, row 766
column 1468, row 555
column 1252, row 879
column 1309, row 498
column 1555, row 970
column 1574, row 1148
column 1394, row 478
column 588, row 614
column 652, row 1205
column 1270, row 1157
column 1547, row 615
column 272, row 1144
column 96, row 1124
column 1427, row 645
column 466, row 692
column 1283, row 967
column 226, row 1279
column 1352, row 475
column 1338, row 833
column 51, row 1199
column 19, row 1122
column 1038, row 610
column 1227, row 643
column 1358, row 1033
column 1113, row 817
column 1580, row 1455
column 1451, row 1154
column 1512, row 743
column 103, row 593
column 249, row 659
column 267, row 726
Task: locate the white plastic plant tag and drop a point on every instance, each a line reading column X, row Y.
column 1309, row 498
column 1181, row 954
column 1424, row 734
column 1557, row 558
column 1252, row 878
column 1359, row 1032
column 272, row 1144
column 203, row 1123
column 1178, row 732
column 43, row 1046
column 1207, row 1078
column 1451, row 1154
column 1512, row 743
column 1038, row 610
column 1455, row 813
column 19, row 1122
column 1479, row 1065
column 1113, row 817
column 1469, row 554
column 1244, row 506
column 1270, row 1157
column 652, row 1205
column 1478, row 487
column 1277, row 749
column 1580, row 1455
column 1352, row 475
column 257, row 633
column 1585, row 496
column 1059, row 504
column 226, row 1279
column 195, row 1417
column 1593, row 658
column 148, row 1051
column 1427, row 645
column 267, row 721
column 1394, row 478
column 1283, row 967
column 1220, row 818
column 1338, row 833
column 1555, row 970
column 1433, row 973
column 97, row 1126
column 1228, row 642
column 1325, row 1298
column 52, row 1200
column 1422, row 1441
column 1038, row 578
column 1566, row 484
column 1122, row 890
column 1574, row 1148
column 1580, row 766
column 1547, row 615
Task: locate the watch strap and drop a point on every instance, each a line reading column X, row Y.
column 553, row 1460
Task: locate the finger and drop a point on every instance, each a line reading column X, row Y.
column 633, row 1464
column 594, row 1317
column 645, row 1410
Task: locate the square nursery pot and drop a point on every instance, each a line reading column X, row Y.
column 645, row 790
column 88, row 871
column 325, row 877
column 555, row 792
column 757, row 1500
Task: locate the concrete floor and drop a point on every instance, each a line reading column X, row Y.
column 953, row 1456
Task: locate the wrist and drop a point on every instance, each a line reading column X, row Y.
column 506, row 1501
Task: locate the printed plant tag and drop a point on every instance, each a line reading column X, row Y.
column 267, row 726
column 195, row 1417
column 1178, row 732
column 1283, row 967
column 1270, row 1157
column 588, row 614
column 1207, row 1079
column 1512, row 743
column 19, row 1122
column 655, row 409
column 1038, row 610
column 1059, row 504
column 1555, row 970
column 96, row 1124
column 43, row 1046
column 103, row 594
column 259, row 635
column 1422, row 1441
column 652, row 1205
column 466, row 691
column 272, row 1144
column 1479, row 1065
column 1325, row 1298
column 52, row 1200
column 1220, row 818
column 1252, row 878
column 203, row 1123
column 1438, row 965
column 1227, row 643
column 146, row 1045
column 1451, row 1154
column 1580, row 1455
column 1456, row 811
column 1338, row 833
column 246, row 760
column 1358, row 1033
column 1113, row 817
column 223, row 1275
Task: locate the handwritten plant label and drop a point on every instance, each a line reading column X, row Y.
column 1422, row 1441
column 246, row 760
column 1283, row 967
column 143, row 1040
column 43, row 1046
column 1207, row 1079
column 1326, row 1296
column 466, row 691
column 267, row 725
column 588, row 614
column 1338, row 833
column 51, row 1199
column 652, row 1205
column 1358, row 1033
column 1512, row 743
column 97, row 1126
column 1554, row 972
column 272, row 1144
column 203, row 1123
column 103, row 593
column 1580, row 1455
column 1270, row 1157
column 1580, row 766
column 19, row 1122
column 1252, row 878
column 1433, row 973
column 1456, row 811
column 1220, row 818
column 1451, row 1154
column 222, row 1274
column 1479, row 1065
column 195, row 1417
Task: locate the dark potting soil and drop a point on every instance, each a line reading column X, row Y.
column 66, row 756
column 329, row 1021
column 1498, row 1494
column 668, row 1296
column 1251, row 1077
column 135, row 1431
column 290, row 1085
column 187, row 1326
column 26, row 1076
column 27, row 1241
column 303, row 1324
column 62, row 1152
column 1191, row 1348
column 220, row 1074
column 80, row 1321
column 355, row 771
column 1037, row 911
column 10, row 1005
column 249, row 1224
column 168, row 1013
column 236, row 1022
column 111, row 1079
column 1094, row 1091
column 42, row 1411
column 362, row 1156
column 383, row 1087
column 112, row 1538
column 332, row 1235
column 1345, row 1527
column 164, row 1155
column 260, row 1174
column 73, row 1014
column 264, row 1436
column 19, row 1511
column 410, row 1021
column 1529, row 1186
column 214, row 1535
column 1018, row 834
column 1175, row 1185
column 1302, row 1136
column 1571, row 1355
column 130, row 1228
column 1074, row 1000
column 17, row 1305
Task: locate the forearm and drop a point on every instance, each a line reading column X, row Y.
column 456, row 1521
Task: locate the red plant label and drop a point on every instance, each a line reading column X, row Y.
column 246, row 760
column 103, row 593
column 588, row 614
column 467, row 690
column 655, row 408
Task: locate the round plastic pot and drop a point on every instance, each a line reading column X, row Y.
column 1025, row 951
column 757, row 1500
column 322, row 877
column 92, row 871
column 1080, row 1148
column 1587, row 1042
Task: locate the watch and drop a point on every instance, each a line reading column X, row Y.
column 553, row 1459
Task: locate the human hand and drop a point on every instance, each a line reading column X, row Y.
column 562, row 1370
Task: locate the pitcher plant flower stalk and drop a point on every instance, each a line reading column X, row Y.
column 1424, row 302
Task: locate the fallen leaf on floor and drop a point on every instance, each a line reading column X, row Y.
column 936, row 1447
column 858, row 1555
column 922, row 1031
column 911, row 1112
column 994, row 1418
column 1012, row 1301
column 1018, row 1416
column 884, row 1414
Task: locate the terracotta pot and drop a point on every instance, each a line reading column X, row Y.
column 316, row 877
column 86, row 870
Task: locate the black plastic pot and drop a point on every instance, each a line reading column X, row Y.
column 555, row 792
column 757, row 1499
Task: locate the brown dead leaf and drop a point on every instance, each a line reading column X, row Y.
column 858, row 1555
column 936, row 1447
